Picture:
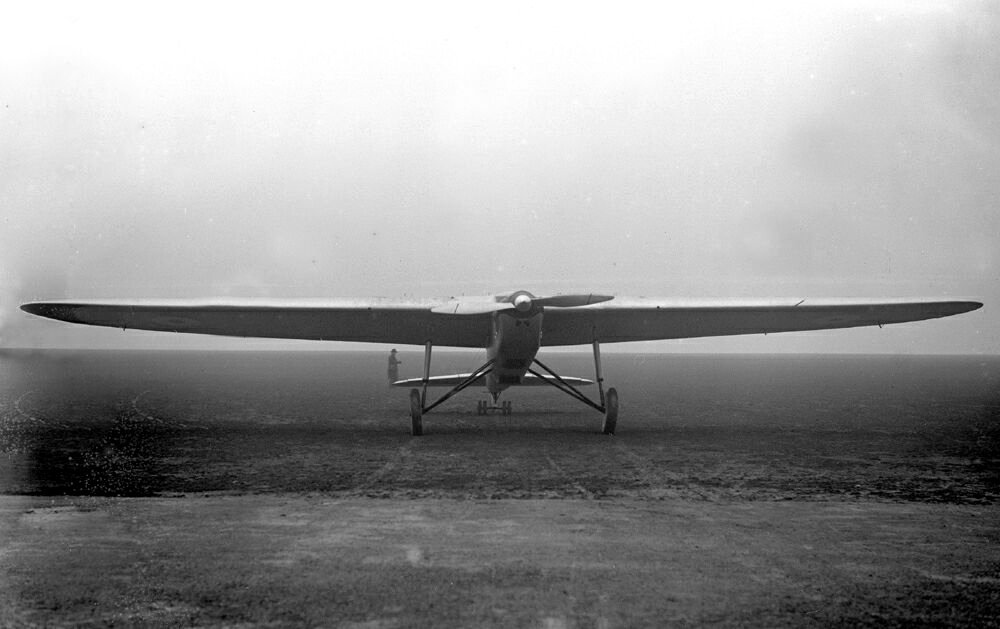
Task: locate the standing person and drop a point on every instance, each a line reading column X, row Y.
column 393, row 366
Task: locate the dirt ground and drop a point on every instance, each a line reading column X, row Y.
column 231, row 491
column 315, row 561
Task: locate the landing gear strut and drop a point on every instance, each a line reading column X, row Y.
column 609, row 401
column 416, row 413
column 610, row 412
column 418, row 398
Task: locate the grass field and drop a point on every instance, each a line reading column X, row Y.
column 284, row 490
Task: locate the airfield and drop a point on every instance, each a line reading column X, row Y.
column 280, row 489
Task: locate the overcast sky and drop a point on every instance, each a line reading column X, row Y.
column 425, row 149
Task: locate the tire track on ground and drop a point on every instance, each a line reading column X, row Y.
column 395, row 462
column 159, row 420
column 586, row 493
column 144, row 415
column 656, row 481
column 34, row 418
column 12, row 438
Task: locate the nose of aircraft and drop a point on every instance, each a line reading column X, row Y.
column 522, row 303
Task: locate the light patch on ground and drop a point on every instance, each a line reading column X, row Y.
column 548, row 563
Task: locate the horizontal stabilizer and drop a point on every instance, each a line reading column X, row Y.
column 456, row 379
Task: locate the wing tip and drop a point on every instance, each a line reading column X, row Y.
column 49, row 310
column 37, row 308
column 966, row 306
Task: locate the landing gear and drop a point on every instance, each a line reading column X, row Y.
column 418, row 397
column 416, row 413
column 610, row 412
column 608, row 400
column 607, row 404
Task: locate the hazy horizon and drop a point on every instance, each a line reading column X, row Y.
column 722, row 150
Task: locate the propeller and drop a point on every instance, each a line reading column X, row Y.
column 571, row 301
column 522, row 301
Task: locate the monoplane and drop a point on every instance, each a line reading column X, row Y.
column 511, row 327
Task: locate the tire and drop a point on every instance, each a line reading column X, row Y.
column 416, row 414
column 610, row 412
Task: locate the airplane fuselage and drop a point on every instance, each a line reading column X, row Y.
column 514, row 341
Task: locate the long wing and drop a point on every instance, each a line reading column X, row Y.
column 648, row 319
column 414, row 323
column 371, row 321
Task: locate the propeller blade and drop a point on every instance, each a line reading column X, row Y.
column 571, row 301
column 476, row 307
column 471, row 307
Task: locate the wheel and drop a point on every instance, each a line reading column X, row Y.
column 610, row 412
column 481, row 407
column 416, row 413
column 506, row 407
